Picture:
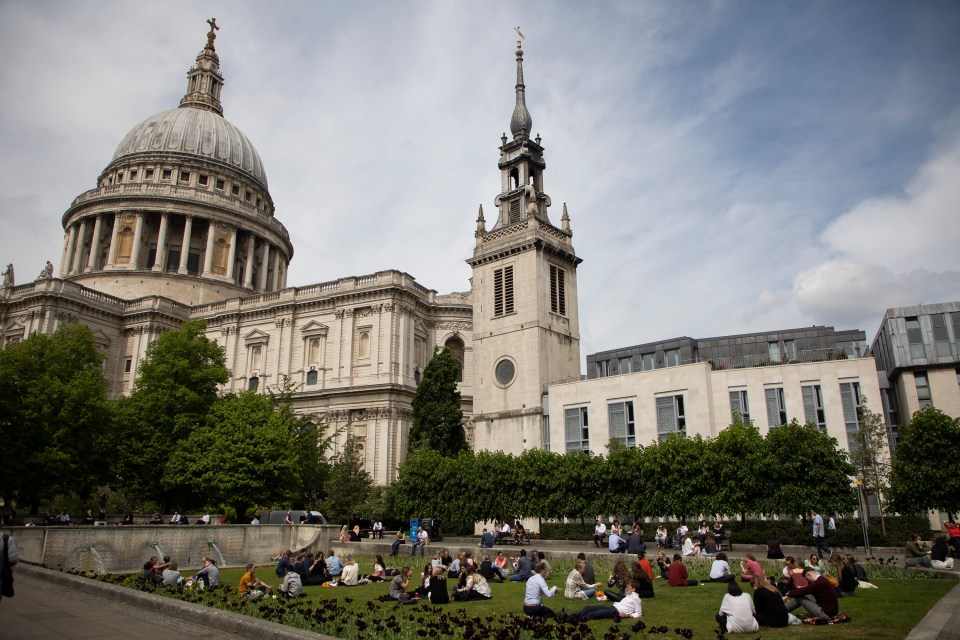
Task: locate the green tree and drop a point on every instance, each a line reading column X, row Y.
column 418, row 490
column 176, row 385
column 807, row 470
column 923, row 476
column 738, row 464
column 55, row 421
column 871, row 456
column 437, row 413
column 678, row 477
column 311, row 442
column 239, row 455
column 348, row 486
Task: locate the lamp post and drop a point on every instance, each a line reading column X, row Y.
column 864, row 523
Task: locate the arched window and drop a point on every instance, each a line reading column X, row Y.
column 455, row 344
column 312, row 376
column 253, row 383
column 514, row 178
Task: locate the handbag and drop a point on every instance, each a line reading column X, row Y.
column 7, row 578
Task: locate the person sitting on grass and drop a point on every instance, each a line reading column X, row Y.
column 209, row 574
column 750, row 569
column 768, row 604
column 710, row 546
column 663, row 564
column 914, row 555
column 247, row 589
column 489, row 570
column 846, row 579
column 316, row 571
column 644, row 565
column 628, row 607
column 424, row 589
column 619, row 579
column 532, row 597
column 437, row 589
column 577, row 588
column 736, row 611
column 819, row 597
column 351, row 574
column 292, row 586
column 475, row 588
column 813, row 562
column 400, row 584
column 940, row 554
column 502, row 563
column 720, row 569
column 644, row 582
column 588, row 573
column 677, row 574
column 171, row 576
column 334, row 566
column 523, row 567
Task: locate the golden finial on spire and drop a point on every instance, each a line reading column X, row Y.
column 520, row 36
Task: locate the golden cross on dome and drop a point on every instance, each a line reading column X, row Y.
column 519, row 36
column 211, row 36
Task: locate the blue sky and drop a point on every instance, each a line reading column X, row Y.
column 728, row 166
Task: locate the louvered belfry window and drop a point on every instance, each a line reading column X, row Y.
column 503, row 291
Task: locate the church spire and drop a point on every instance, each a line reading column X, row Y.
column 203, row 79
column 520, row 123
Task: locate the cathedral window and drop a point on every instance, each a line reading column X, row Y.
column 455, row 344
column 253, row 383
column 256, row 357
column 184, row 176
column 248, row 196
column 312, row 377
column 133, row 174
column 219, row 184
column 514, row 211
column 167, row 174
column 503, row 291
column 202, row 180
column 235, row 190
column 558, row 290
column 505, row 371
column 148, row 174
column 363, row 343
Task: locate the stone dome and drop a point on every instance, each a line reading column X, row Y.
column 197, row 132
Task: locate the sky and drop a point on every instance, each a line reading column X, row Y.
column 728, row 167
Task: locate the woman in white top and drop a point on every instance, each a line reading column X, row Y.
column 475, row 588
column 720, row 570
column 690, row 548
column 737, row 611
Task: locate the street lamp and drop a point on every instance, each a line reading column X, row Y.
column 863, row 517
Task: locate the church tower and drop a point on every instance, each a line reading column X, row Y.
column 525, row 320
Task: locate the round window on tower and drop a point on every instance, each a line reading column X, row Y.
column 505, row 372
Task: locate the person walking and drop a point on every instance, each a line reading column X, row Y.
column 9, row 557
column 820, row 535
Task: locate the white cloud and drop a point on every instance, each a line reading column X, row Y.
column 892, row 251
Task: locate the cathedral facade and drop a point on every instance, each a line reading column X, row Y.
column 181, row 224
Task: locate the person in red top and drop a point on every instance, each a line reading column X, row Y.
column 677, row 574
column 819, row 597
column 645, row 565
column 953, row 533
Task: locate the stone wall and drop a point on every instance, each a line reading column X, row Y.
column 125, row 549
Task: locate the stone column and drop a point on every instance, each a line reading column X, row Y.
column 185, row 245
column 160, row 264
column 78, row 250
column 68, row 261
column 264, row 266
column 232, row 257
column 114, row 241
column 208, row 255
column 248, row 271
column 276, row 269
column 95, row 244
column 137, row 240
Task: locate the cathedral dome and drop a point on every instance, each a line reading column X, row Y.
column 195, row 132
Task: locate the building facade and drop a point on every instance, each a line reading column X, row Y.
column 181, row 225
column 917, row 350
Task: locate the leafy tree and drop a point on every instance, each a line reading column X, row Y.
column 418, row 490
column 55, row 421
column 540, row 482
column 624, row 468
column 807, row 470
column 176, row 386
column 239, row 455
column 311, row 442
column 738, row 464
column 922, row 476
column 437, row 413
column 348, row 486
column 871, row 457
column 679, row 480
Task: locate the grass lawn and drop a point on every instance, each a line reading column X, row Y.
column 890, row 611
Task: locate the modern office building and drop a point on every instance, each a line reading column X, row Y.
column 917, row 350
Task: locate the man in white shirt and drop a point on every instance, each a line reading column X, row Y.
column 504, row 533
column 628, row 607
column 535, row 590
column 599, row 533
column 378, row 530
column 423, row 539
